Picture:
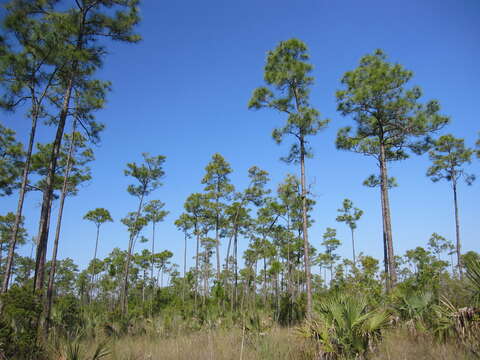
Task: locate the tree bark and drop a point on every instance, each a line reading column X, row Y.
column 197, row 234
column 129, row 257
column 51, row 279
column 235, row 299
column 95, row 253
column 153, row 249
column 217, row 243
column 48, row 193
column 387, row 225
column 184, row 265
column 353, row 248
column 306, row 257
column 458, row 247
column 21, row 198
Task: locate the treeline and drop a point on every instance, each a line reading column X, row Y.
column 51, row 52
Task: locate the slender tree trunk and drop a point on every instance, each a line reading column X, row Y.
column 353, row 249
column 265, row 281
column 184, row 266
column 306, row 257
column 217, row 243
column 129, row 257
column 94, row 260
column 387, row 225
column 1, row 255
column 236, row 268
column 21, row 198
column 227, row 260
column 95, row 253
column 48, row 193
column 458, row 247
column 153, row 249
column 197, row 233
column 51, row 279
column 143, row 286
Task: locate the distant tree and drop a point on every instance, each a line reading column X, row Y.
column 185, row 224
column 148, row 176
column 75, row 172
column 449, row 155
column 197, row 213
column 287, row 73
column 7, row 223
column 331, row 244
column 350, row 215
column 161, row 262
column 154, row 213
column 219, row 189
column 390, row 120
column 438, row 245
column 98, row 216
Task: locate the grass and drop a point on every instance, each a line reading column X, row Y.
column 216, row 344
column 399, row 344
column 276, row 343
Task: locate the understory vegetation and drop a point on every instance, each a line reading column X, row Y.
column 252, row 284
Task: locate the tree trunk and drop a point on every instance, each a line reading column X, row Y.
column 458, row 247
column 217, row 243
column 264, row 281
column 21, row 198
column 153, row 249
column 197, row 233
column 184, row 265
column 48, row 193
column 353, row 248
column 387, row 225
column 306, row 257
column 95, row 253
column 51, row 279
column 235, row 240
column 129, row 257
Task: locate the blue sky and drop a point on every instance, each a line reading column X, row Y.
column 183, row 92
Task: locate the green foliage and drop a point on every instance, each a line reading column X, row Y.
column 449, row 155
column 375, row 181
column 79, row 170
column 387, row 114
column 148, row 175
column 67, row 315
column 344, row 326
column 98, row 216
column 349, row 214
column 287, row 72
column 11, row 161
column 7, row 222
column 18, row 333
column 472, row 267
column 154, row 211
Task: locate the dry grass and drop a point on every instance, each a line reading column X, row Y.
column 277, row 343
column 400, row 345
column 217, row 344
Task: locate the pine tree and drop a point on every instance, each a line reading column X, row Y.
column 287, row 72
column 390, row 120
column 148, row 176
column 219, row 190
column 350, row 215
column 449, row 156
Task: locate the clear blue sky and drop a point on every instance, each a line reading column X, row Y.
column 183, row 91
